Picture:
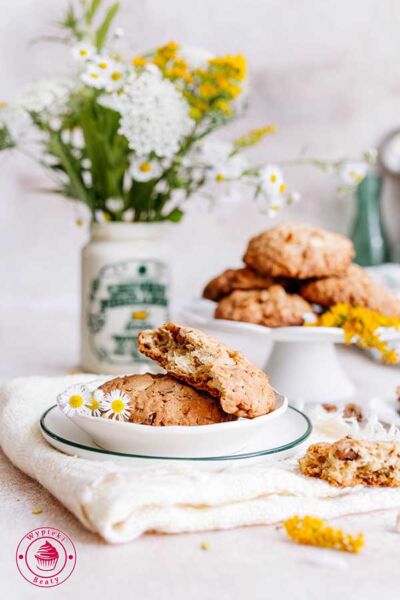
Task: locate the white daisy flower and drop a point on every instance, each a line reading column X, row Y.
column 115, row 204
column 352, row 173
column 94, row 77
column 143, row 169
column 94, row 403
column 271, row 180
column 115, row 78
column 154, row 116
column 115, row 405
column 101, row 216
column 103, row 63
column 74, row 400
column 83, row 51
column 232, row 168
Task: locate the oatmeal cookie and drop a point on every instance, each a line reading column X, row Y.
column 299, row 251
column 271, row 308
column 163, row 400
column 235, row 279
column 349, row 462
column 200, row 360
column 356, row 288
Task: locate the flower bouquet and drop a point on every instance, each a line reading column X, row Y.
column 129, row 136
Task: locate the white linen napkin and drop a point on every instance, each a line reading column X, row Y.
column 120, row 502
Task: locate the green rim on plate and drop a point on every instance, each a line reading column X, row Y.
column 275, row 450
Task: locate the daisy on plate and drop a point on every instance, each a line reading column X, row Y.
column 94, row 403
column 115, row 405
column 74, row 400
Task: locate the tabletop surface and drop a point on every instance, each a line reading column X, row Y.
column 249, row 563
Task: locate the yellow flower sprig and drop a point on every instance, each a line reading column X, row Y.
column 253, row 137
column 312, row 531
column 360, row 325
column 210, row 89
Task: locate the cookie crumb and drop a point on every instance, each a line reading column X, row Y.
column 37, row 511
column 353, row 411
column 329, row 408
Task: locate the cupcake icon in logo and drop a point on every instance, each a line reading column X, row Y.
column 46, row 557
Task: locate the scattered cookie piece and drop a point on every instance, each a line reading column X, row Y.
column 271, row 308
column 352, row 410
column 329, row 408
column 350, row 462
column 235, row 279
column 163, row 400
column 206, row 364
column 355, row 288
column 299, row 251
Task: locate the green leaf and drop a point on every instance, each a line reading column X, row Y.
column 5, row 139
column 92, row 10
column 102, row 32
column 175, row 215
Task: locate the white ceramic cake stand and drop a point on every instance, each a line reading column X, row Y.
column 303, row 363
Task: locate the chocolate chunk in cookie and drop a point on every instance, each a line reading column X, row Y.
column 349, row 462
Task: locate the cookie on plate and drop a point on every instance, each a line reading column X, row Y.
column 356, row 288
column 271, row 308
column 299, row 251
column 163, row 400
column 349, row 462
column 235, row 279
column 200, row 360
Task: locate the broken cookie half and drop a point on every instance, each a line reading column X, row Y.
column 201, row 361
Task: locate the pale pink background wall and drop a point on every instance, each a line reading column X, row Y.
column 327, row 72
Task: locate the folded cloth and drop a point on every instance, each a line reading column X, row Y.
column 120, row 502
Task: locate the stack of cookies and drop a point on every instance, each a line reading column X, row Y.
column 288, row 270
column 205, row 382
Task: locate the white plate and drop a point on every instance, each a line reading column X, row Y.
column 230, row 437
column 285, row 436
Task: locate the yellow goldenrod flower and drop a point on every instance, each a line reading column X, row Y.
column 360, row 325
column 254, row 136
column 312, row 531
column 207, row 90
column 195, row 113
column 223, row 106
column 139, row 61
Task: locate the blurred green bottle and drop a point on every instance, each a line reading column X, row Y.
column 369, row 236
